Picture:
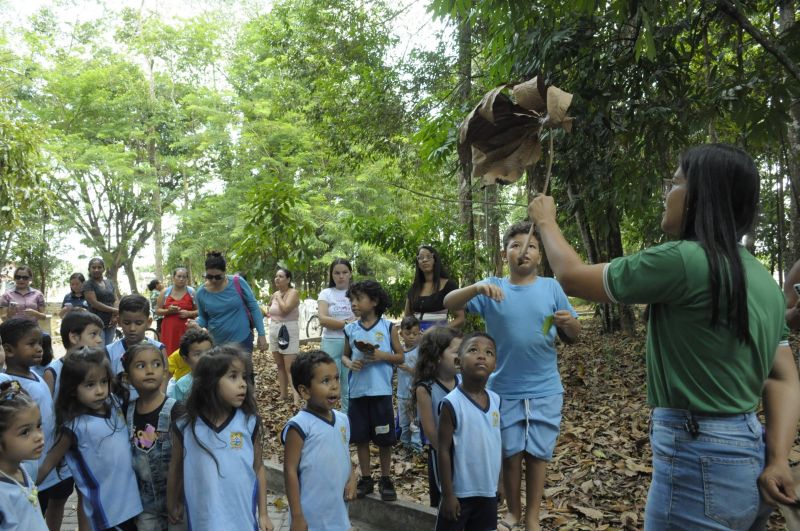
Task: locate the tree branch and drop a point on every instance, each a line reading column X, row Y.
column 771, row 47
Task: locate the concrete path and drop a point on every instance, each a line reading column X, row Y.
column 278, row 513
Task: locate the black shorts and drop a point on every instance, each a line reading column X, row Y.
column 59, row 491
column 477, row 514
column 372, row 419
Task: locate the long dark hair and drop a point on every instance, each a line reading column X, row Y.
column 203, row 399
column 76, row 365
column 439, row 273
column 434, row 342
column 338, row 261
column 722, row 194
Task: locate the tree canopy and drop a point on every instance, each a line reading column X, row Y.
column 315, row 129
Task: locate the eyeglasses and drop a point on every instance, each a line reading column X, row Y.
column 21, row 277
column 425, row 258
column 214, row 277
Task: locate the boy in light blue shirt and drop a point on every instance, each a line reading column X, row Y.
column 194, row 344
column 406, row 417
column 134, row 319
column 372, row 347
column 523, row 312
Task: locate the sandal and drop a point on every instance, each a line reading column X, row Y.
column 502, row 524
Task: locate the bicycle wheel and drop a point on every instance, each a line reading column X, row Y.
column 313, row 328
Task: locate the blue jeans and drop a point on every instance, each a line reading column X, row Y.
column 334, row 347
column 151, row 467
column 408, row 428
column 705, row 472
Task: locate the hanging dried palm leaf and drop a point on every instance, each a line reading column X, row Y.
column 502, row 134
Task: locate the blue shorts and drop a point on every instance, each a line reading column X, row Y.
column 530, row 425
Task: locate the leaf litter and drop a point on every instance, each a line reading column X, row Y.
column 601, row 468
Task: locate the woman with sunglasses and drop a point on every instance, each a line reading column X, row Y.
column 23, row 300
column 225, row 309
column 426, row 297
column 716, row 346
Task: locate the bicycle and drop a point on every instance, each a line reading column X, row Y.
column 313, row 326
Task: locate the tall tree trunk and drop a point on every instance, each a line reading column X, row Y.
column 465, row 216
column 785, row 24
column 131, row 274
column 534, row 184
column 493, row 228
column 158, row 236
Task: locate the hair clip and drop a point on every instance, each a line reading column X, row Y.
column 10, row 389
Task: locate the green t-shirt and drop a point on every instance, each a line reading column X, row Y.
column 689, row 364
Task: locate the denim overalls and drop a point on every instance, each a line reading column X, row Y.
column 151, row 466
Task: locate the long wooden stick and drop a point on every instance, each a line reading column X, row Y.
column 544, row 191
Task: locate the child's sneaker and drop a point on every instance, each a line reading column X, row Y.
column 386, row 488
column 364, row 486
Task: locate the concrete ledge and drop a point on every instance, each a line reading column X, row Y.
column 400, row 515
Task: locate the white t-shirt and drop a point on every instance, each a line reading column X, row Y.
column 338, row 308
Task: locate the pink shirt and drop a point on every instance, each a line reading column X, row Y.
column 17, row 303
column 276, row 315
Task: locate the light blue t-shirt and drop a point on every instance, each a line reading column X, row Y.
column 476, row 444
column 181, row 389
column 526, row 357
column 324, row 468
column 115, row 352
column 16, row 508
column 374, row 379
column 406, row 379
column 223, row 313
column 40, row 393
column 102, row 465
column 221, row 491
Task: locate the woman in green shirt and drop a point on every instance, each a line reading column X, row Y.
column 716, row 345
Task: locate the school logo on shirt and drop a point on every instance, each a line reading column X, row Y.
column 495, row 419
column 344, row 434
column 237, row 440
column 379, row 337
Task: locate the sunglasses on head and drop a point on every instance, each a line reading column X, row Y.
column 214, row 277
column 21, row 277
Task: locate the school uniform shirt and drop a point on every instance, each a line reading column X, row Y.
column 476, row 444
column 40, row 392
column 374, row 379
column 115, row 352
column 19, row 507
column 221, row 490
column 406, row 379
column 438, row 391
column 526, row 355
column 102, row 466
column 75, row 301
column 324, row 468
column 54, row 368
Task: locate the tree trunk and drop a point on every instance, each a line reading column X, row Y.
column 785, row 24
column 131, row 274
column 465, row 216
column 158, row 236
column 493, row 229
